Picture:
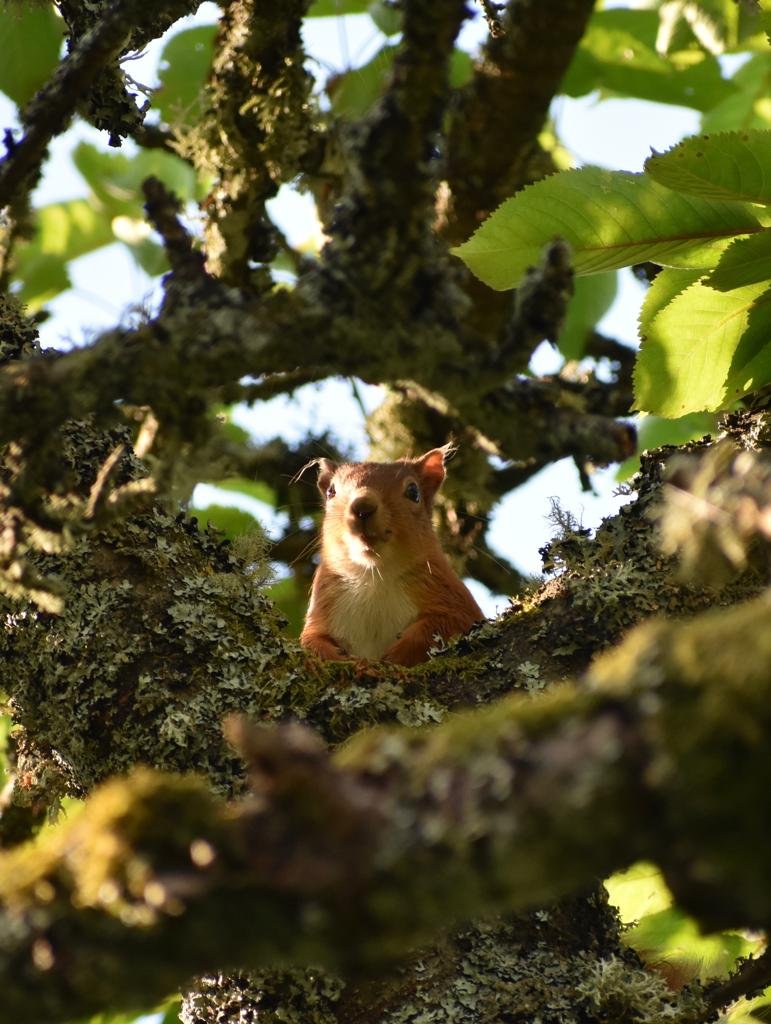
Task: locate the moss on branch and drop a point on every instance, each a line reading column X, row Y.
column 259, row 130
column 352, row 860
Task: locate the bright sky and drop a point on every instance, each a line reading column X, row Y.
column 613, row 133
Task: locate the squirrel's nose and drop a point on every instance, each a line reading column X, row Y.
column 363, row 508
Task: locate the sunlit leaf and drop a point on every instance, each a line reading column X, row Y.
column 252, row 488
column 291, row 602
column 117, row 179
column 387, row 17
column 638, row 891
column 617, row 55
column 65, row 231
column 745, row 261
column 750, row 104
column 461, row 68
column 230, row 521
column 670, row 936
column 335, row 8
column 730, row 165
column 184, row 68
column 610, row 218
column 30, row 40
column 356, row 91
column 703, row 349
column 592, row 298
column 654, row 431
column 150, row 256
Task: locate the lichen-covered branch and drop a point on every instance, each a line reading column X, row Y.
column 257, row 132
column 107, row 102
column 185, row 637
column 352, row 860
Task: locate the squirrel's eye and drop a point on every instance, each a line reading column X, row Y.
column 331, row 491
column 412, row 492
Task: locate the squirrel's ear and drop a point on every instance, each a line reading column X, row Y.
column 327, row 469
column 430, row 469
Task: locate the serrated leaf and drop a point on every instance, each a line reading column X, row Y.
column 730, row 165
column 184, row 68
column 690, row 347
column 751, row 365
column 592, row 298
column 610, row 218
column 671, row 937
column 30, row 40
column 745, row 261
column 750, row 105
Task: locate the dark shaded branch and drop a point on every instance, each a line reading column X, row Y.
column 383, row 249
column 502, row 110
column 162, row 208
column 352, row 860
column 107, row 102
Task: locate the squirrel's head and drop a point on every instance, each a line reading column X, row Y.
column 377, row 515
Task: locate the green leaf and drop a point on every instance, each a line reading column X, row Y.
column 228, row 520
column 387, row 17
column 702, row 349
column 751, row 365
column 618, row 56
column 750, row 105
column 592, row 298
column 654, row 431
column 713, row 24
column 42, row 278
column 116, row 179
column 64, row 232
column 461, row 68
column 150, row 256
column 183, row 71
column 610, row 218
column 290, row 601
column 672, row 937
column 745, row 261
column 30, row 41
column 730, row 165
column 638, row 892
column 356, row 91
column 335, row 8
column 253, row 488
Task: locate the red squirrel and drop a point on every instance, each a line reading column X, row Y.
column 384, row 588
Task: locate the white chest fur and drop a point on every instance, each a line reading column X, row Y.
column 369, row 614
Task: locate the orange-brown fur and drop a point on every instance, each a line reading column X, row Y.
column 384, row 588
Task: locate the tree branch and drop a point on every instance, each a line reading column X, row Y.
column 503, row 108
column 352, row 860
column 257, row 132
